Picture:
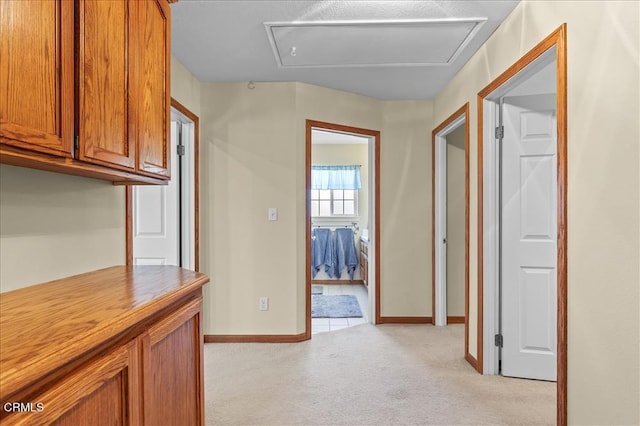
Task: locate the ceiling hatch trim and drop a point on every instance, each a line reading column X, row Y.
column 388, row 43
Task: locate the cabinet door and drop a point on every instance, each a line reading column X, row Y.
column 36, row 75
column 364, row 268
column 172, row 368
column 152, row 100
column 105, row 392
column 104, row 64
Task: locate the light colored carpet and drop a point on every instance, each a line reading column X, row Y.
column 366, row 375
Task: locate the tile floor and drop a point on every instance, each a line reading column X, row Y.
column 321, row 325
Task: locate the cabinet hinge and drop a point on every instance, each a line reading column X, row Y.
column 498, row 340
column 180, row 149
column 499, row 132
column 76, row 142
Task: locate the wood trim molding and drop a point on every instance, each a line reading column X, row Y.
column 255, row 338
column 405, row 320
column 467, row 215
column 471, row 360
column 457, row 320
column 307, row 269
column 196, row 179
column 463, row 110
column 561, row 43
column 375, row 134
column 378, row 235
column 336, row 282
column 558, row 38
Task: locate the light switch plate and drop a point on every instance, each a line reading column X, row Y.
column 264, row 304
column 273, row 213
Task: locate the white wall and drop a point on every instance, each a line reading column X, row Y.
column 603, row 208
column 248, row 163
column 253, row 158
column 185, row 87
column 406, row 208
column 54, row 225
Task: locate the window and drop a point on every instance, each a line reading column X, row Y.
column 334, row 202
column 334, row 191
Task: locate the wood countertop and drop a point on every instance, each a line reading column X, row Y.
column 46, row 326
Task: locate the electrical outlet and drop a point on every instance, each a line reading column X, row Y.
column 264, row 303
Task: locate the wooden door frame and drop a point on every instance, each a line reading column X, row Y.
column 462, row 112
column 557, row 39
column 196, row 192
column 375, row 135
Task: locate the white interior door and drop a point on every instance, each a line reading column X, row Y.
column 155, row 218
column 529, row 240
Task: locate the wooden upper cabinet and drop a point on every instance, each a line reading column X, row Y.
column 36, row 75
column 86, row 81
column 104, row 74
column 152, row 99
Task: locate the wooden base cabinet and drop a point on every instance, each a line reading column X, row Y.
column 173, row 378
column 103, row 392
column 134, row 358
column 364, row 262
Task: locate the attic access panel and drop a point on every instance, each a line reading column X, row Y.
column 367, row 43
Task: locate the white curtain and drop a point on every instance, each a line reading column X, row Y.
column 335, row 177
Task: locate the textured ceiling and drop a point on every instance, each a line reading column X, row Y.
column 225, row 41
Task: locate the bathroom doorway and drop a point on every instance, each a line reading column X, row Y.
column 342, row 211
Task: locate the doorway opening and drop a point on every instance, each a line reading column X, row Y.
column 450, row 221
column 163, row 220
column 342, row 199
column 522, row 263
